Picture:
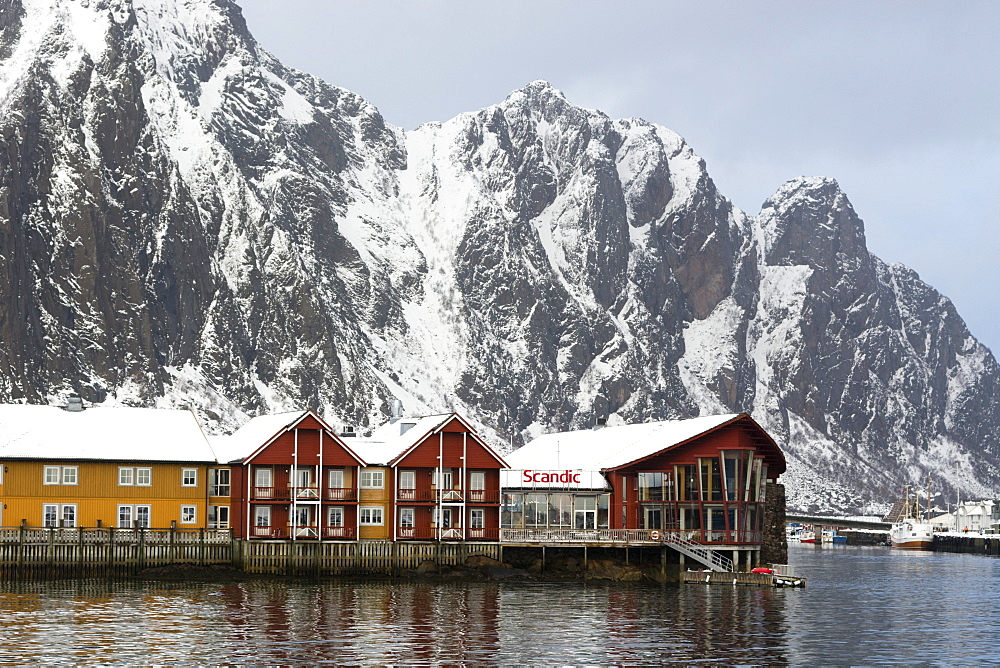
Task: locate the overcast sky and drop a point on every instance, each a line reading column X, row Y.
column 899, row 101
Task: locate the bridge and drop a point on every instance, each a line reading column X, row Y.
column 819, row 520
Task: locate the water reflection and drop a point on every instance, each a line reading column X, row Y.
column 862, row 606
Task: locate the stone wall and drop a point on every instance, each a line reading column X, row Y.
column 774, row 549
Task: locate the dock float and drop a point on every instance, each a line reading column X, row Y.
column 732, row 579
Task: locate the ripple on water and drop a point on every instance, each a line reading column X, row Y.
column 863, row 605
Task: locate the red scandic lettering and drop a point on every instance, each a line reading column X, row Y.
column 527, row 475
column 576, row 478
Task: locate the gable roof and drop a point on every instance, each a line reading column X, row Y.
column 615, row 447
column 261, row 431
column 390, row 443
column 102, row 433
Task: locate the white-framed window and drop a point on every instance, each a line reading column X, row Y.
column 263, row 477
column 218, row 485
column 189, row 477
column 477, row 518
column 371, row 515
column 189, row 514
column 406, row 517
column 130, row 517
column 262, row 516
column 59, row 514
column 218, row 516
column 126, row 476
column 477, row 480
column 60, row 475
column 372, row 479
column 407, row 480
column 144, row 476
column 335, row 516
column 335, row 479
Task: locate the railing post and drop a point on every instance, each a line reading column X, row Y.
column 20, row 549
column 142, row 548
column 79, row 555
column 201, row 546
column 111, row 550
column 50, row 549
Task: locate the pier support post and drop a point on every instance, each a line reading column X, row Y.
column 818, row 535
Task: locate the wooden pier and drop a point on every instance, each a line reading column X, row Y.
column 782, row 577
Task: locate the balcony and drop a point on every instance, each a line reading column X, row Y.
column 339, row 532
column 264, row 531
column 341, row 494
column 446, row 533
column 488, row 496
column 302, row 532
column 483, row 496
column 310, row 493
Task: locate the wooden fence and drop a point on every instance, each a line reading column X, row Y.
column 366, row 557
column 90, row 552
column 106, row 552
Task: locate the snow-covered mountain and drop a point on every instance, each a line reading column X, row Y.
column 185, row 221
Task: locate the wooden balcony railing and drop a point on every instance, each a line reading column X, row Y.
column 340, row 493
column 483, row 496
column 339, row 532
column 305, row 492
column 446, row 533
column 281, row 533
column 449, row 495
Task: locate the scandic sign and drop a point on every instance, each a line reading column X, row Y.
column 566, row 476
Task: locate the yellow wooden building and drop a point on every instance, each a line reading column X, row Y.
column 374, row 503
column 103, row 467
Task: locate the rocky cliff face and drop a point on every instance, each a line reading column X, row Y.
column 184, row 221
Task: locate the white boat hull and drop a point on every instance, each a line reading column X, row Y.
column 912, row 535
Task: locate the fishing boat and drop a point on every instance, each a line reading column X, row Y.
column 911, row 532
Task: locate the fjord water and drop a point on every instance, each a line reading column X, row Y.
column 862, row 606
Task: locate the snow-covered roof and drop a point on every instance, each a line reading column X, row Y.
column 610, row 447
column 257, row 433
column 394, row 438
column 102, row 433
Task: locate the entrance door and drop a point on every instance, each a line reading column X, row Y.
column 652, row 517
column 586, row 513
column 304, row 521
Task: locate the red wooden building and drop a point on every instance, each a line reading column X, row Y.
column 701, row 479
column 292, row 477
column 441, row 480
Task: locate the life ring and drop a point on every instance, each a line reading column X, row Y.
column 654, row 535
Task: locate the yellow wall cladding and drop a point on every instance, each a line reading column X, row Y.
column 97, row 492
